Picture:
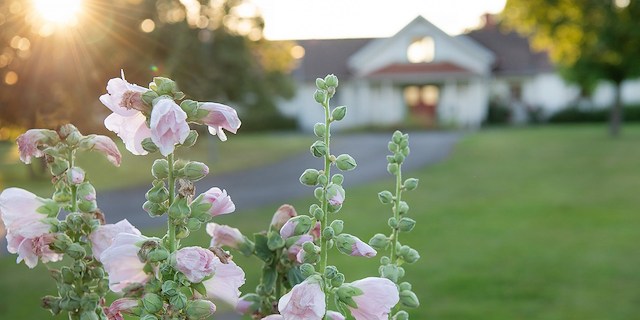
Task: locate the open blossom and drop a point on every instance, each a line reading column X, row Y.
column 103, row 237
column 106, row 146
column 353, row 246
column 168, row 125
column 294, row 250
column 222, row 235
column 195, row 263
column 282, row 215
column 225, row 283
column 119, row 307
column 132, row 130
column 218, row 199
column 220, row 117
column 30, row 141
column 306, row 300
column 123, row 98
column 27, row 234
column 378, row 296
column 122, row 263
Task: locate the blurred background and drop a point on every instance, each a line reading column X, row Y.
column 532, row 214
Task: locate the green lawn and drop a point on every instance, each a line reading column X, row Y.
column 533, row 223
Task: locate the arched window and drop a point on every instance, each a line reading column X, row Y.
column 421, row 50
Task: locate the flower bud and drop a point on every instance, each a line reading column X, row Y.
column 274, row 241
column 191, row 139
column 148, row 145
column 58, row 166
column 320, row 84
column 409, row 299
column 390, row 271
column 392, row 168
column 148, row 96
column 76, row 251
column 322, row 180
column 411, row 256
column 318, row 149
column 331, row 80
column 66, row 130
column 51, row 303
column 401, row 315
column 200, row 309
column 75, row 176
column 170, row 288
column 282, row 215
column 310, row 177
column 406, row 224
column 385, row 197
column 385, row 260
column 318, row 193
column 397, row 137
column 320, row 130
column 391, row 159
column 338, row 280
column 179, row 209
column 337, row 226
column 182, row 232
column 309, row 247
column 404, row 286
column 195, row 170
column 296, row 226
column 158, row 254
column 392, row 222
column 152, row 302
column 164, row 85
column 345, row 294
column 345, row 162
column 410, row 184
column 158, row 193
column 148, row 317
column 308, row 257
column 160, row 169
column 320, row 96
column 328, row 233
column 154, row 209
column 351, row 245
column 338, row 113
column 307, row 270
column 61, row 242
column 399, row 157
column 403, row 208
column 67, row 275
column 335, row 195
column 379, row 241
column 318, row 214
column 393, row 147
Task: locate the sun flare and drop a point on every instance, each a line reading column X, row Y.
column 62, row 12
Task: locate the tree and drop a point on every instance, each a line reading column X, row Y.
column 591, row 40
column 52, row 73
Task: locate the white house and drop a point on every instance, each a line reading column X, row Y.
column 425, row 77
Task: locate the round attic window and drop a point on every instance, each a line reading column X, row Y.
column 421, row 50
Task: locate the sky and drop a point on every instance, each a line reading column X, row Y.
column 322, row 19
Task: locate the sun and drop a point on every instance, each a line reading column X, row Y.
column 61, row 12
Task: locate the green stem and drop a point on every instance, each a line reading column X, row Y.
column 324, row 243
column 170, row 225
column 74, row 188
column 396, row 214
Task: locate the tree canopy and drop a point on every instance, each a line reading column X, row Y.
column 53, row 72
column 590, row 40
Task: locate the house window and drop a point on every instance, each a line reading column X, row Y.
column 421, row 50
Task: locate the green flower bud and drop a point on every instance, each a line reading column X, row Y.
column 411, row 256
column 330, row 272
column 322, row 180
column 310, row 177
column 391, row 159
column 160, row 169
column 338, row 280
column 51, row 303
column 152, row 302
column 318, row 214
column 191, row 139
column 405, row 151
column 337, row 179
column 179, row 209
column 310, row 257
column 331, row 80
column 403, row 208
column 390, row 271
column 76, row 251
column 385, row 260
column 148, row 317
column 399, row 157
column 318, row 193
column 194, row 224
column 69, row 304
column 58, row 166
column 158, row 193
column 345, row 162
column 392, row 146
column 337, row 226
column 338, row 113
column 195, row 170
column 190, row 107
column 182, row 232
column 401, row 315
column 320, row 84
column 397, row 137
column 318, row 149
column 158, row 254
column 66, row 130
column 392, row 168
column 200, row 309
column 320, row 130
column 309, row 247
column 320, row 96
column 164, row 86
column 406, row 224
column 148, row 145
column 345, row 294
column 67, row 275
column 379, row 241
column 274, row 241
column 385, row 197
column 307, row 270
column 170, row 288
column 154, row 209
column 328, row 233
column 410, row 184
column 148, row 97
column 404, row 286
column 61, row 242
column 409, row 299
column 296, row 226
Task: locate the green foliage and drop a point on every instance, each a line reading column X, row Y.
column 577, row 115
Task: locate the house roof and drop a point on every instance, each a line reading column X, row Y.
column 322, row 56
column 514, row 55
column 409, row 71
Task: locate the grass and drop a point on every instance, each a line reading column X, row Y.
column 535, row 223
column 240, row 152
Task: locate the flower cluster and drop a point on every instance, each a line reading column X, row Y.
column 157, row 277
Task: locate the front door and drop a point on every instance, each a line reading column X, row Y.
column 422, row 103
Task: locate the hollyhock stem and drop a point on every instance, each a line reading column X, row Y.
column 396, row 214
column 171, row 226
column 324, row 247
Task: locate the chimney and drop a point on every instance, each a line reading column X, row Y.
column 489, row 21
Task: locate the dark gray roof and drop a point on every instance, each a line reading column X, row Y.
column 326, row 56
column 514, row 55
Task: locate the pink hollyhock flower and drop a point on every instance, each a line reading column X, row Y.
column 76, row 175
column 119, row 307
column 106, row 146
column 122, row 263
column 273, row 317
column 353, row 246
column 168, row 125
column 315, row 232
column 30, row 141
column 220, row 202
column 220, row 117
column 361, row 249
column 225, row 283
column 296, row 247
column 336, row 199
column 332, row 315
column 103, row 237
column 282, row 215
column 124, row 98
column 306, row 300
column 378, row 296
column 27, row 235
column 132, row 130
column 222, row 235
column 195, row 263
